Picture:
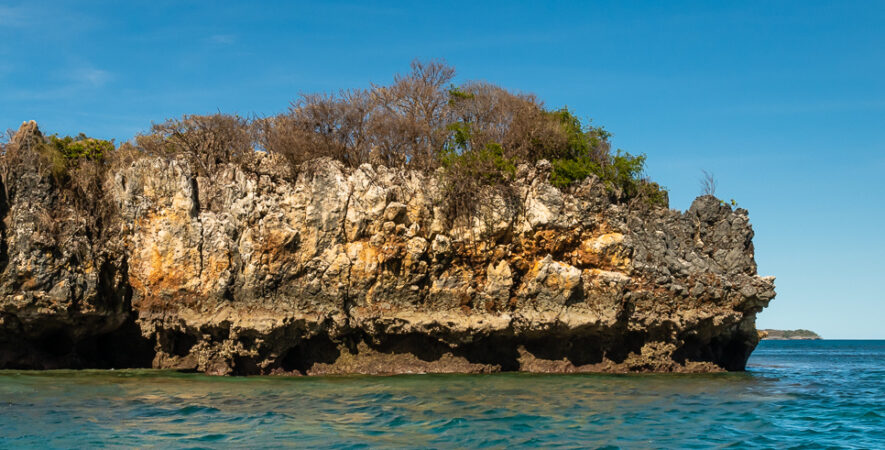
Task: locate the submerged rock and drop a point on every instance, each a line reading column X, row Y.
column 358, row 271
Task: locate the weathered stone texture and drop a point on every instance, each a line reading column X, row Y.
column 358, row 271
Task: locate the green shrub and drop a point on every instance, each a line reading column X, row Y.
column 622, row 173
column 489, row 165
column 653, row 193
column 569, row 171
column 52, row 160
column 459, row 140
column 59, row 155
column 577, row 141
column 581, row 141
column 81, row 147
column 456, row 93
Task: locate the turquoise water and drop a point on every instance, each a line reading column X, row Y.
column 795, row 394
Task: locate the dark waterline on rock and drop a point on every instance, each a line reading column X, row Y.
column 797, row 393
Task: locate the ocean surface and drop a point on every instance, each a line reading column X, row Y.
column 795, row 394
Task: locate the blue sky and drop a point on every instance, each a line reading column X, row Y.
column 783, row 101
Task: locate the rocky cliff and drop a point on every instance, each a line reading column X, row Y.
column 359, row 271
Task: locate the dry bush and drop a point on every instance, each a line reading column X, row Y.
column 417, row 122
column 206, row 141
column 523, row 127
column 477, row 132
column 491, row 114
column 86, row 191
column 414, row 115
column 392, row 140
column 124, row 156
column 277, row 135
column 708, row 183
column 209, row 143
column 322, row 126
column 401, row 125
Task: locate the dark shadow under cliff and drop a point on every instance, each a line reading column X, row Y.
column 63, row 346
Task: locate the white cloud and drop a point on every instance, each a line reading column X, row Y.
column 70, row 82
column 90, row 76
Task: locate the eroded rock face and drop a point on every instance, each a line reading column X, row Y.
column 358, row 271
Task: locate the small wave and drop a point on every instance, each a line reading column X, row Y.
column 817, row 402
column 195, row 409
column 872, row 415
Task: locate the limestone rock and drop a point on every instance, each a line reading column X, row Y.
column 356, row 271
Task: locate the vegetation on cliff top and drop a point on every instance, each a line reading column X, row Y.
column 474, row 135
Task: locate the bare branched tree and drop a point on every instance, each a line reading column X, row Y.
column 415, row 108
column 708, row 184
column 494, row 115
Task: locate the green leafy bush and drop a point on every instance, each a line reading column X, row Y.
column 621, row 172
column 653, row 193
column 490, row 165
column 81, row 147
column 587, row 152
column 567, row 172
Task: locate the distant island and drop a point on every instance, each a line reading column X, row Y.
column 784, row 335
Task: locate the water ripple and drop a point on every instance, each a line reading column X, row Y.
column 795, row 394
